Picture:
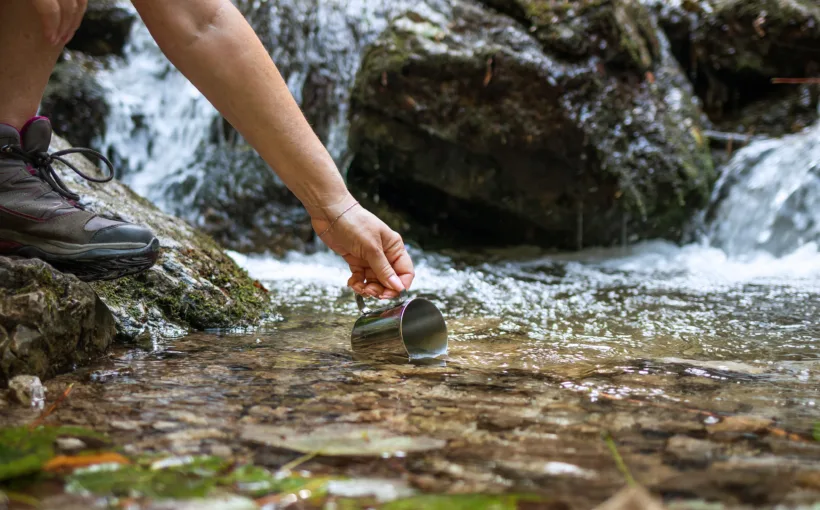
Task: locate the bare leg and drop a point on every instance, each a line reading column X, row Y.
column 28, row 60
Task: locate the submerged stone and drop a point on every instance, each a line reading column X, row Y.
column 535, row 123
column 340, row 440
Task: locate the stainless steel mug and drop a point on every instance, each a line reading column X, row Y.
column 411, row 329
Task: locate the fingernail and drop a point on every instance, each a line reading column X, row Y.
column 397, row 285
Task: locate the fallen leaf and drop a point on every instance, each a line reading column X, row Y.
column 741, row 424
column 340, row 440
column 488, row 74
column 64, row 462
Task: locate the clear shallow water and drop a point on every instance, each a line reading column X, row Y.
column 654, row 300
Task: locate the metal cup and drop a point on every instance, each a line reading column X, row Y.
column 411, row 329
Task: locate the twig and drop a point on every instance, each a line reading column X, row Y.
column 290, row 466
column 23, row 499
column 45, row 414
column 619, row 461
column 796, row 81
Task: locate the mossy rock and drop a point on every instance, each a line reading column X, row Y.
column 477, row 127
column 194, row 285
column 49, row 322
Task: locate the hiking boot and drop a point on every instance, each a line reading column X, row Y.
column 41, row 218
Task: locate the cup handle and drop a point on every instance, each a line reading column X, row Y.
column 363, row 309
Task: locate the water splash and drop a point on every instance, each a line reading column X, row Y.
column 767, row 198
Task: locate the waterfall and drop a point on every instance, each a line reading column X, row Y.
column 768, row 197
column 158, row 121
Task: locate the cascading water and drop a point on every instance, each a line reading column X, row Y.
column 158, row 121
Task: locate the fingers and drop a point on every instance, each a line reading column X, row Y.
column 50, row 13
column 77, row 19
column 67, row 12
column 400, row 260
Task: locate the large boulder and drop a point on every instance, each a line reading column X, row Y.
column 49, row 322
column 527, row 121
column 195, row 285
column 732, row 49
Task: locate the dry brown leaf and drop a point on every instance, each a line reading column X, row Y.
column 63, row 462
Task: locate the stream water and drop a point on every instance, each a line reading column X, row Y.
column 702, row 360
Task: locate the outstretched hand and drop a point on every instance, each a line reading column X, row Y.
column 379, row 264
column 60, row 18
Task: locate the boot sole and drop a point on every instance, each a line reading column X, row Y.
column 98, row 264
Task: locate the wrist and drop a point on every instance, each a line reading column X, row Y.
column 328, row 207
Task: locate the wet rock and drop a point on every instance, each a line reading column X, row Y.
column 75, row 102
column 687, row 450
column 165, row 425
column 238, row 200
column 732, row 49
column 104, row 29
column 729, row 486
column 125, row 425
column 69, row 444
column 810, row 480
column 339, row 440
column 632, row 498
column 194, row 285
column 536, row 123
column 49, row 322
column 27, row 390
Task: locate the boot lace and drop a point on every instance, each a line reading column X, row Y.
column 42, row 162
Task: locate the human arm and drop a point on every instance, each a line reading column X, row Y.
column 213, row 45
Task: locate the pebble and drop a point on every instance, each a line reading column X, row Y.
column 267, row 411
column 125, row 425
column 221, row 450
column 188, row 417
column 70, row 444
column 165, row 425
column 27, row 390
column 687, row 449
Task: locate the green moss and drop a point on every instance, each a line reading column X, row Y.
column 235, row 300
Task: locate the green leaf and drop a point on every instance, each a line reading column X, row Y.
column 24, row 452
column 257, row 482
column 135, row 481
column 816, row 432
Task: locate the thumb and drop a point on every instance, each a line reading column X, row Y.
column 384, row 270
